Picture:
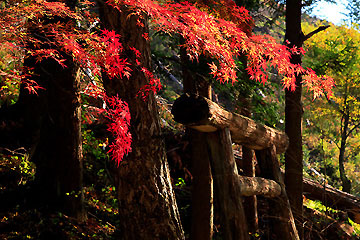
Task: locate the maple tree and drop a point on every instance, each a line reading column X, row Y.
column 204, row 33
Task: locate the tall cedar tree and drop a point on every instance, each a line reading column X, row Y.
column 294, row 37
column 51, row 124
column 147, row 205
column 293, row 119
column 58, row 154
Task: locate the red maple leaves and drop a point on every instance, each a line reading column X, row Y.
column 117, row 112
column 223, row 32
column 216, row 28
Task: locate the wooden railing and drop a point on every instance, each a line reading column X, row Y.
column 222, row 128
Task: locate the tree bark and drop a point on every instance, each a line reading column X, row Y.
column 58, row 155
column 227, row 185
column 283, row 223
column 346, row 183
column 293, row 118
column 147, row 206
column 56, row 130
column 206, row 116
column 202, row 185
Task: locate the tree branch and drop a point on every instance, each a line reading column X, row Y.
column 319, row 29
column 351, row 130
column 337, row 108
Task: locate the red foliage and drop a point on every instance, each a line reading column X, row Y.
column 154, row 84
column 224, row 40
column 117, row 112
column 216, row 28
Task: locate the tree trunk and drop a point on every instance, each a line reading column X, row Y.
column 202, row 185
column 293, row 119
column 58, row 152
column 346, row 183
column 58, row 155
column 147, row 206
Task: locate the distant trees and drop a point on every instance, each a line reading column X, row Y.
column 336, row 53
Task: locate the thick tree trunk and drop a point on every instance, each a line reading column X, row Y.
column 58, row 155
column 56, row 130
column 282, row 217
column 227, row 185
column 293, row 118
column 147, row 206
column 206, row 116
column 346, row 183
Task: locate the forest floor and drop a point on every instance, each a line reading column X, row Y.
column 22, row 218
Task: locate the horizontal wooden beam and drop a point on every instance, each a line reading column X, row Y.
column 206, row 116
column 250, row 186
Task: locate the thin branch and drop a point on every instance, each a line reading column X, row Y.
column 351, row 130
column 337, row 108
column 319, row 29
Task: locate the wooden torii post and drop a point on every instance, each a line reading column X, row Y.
column 223, row 128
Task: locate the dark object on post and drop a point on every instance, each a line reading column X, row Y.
column 206, row 116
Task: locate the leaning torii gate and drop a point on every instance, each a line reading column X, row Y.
column 223, row 128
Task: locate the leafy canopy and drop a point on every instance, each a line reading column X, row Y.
column 222, row 33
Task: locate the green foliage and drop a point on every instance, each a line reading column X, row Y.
column 265, row 102
column 27, row 169
column 92, row 145
column 9, row 87
column 317, row 205
column 335, row 52
column 180, row 182
column 356, row 227
column 20, row 168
